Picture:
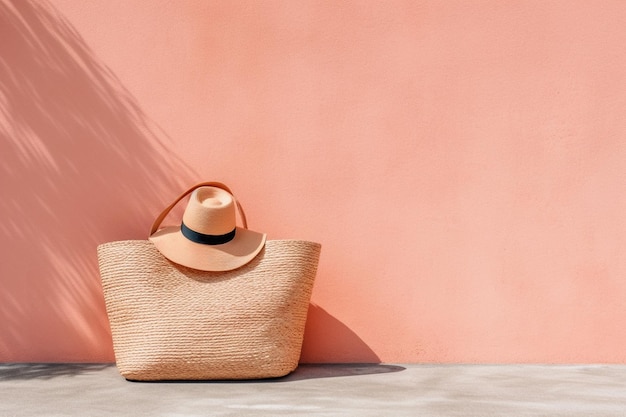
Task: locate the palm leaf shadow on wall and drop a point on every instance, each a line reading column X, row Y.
column 81, row 164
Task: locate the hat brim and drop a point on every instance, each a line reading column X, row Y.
column 225, row 257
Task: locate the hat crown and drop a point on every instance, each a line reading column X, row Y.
column 210, row 211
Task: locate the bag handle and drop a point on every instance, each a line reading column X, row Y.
column 161, row 217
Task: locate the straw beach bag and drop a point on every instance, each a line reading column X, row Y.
column 231, row 318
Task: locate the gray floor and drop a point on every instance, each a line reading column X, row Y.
column 322, row 390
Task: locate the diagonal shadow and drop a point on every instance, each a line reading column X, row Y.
column 26, row 371
column 333, row 370
column 80, row 164
column 326, row 339
column 302, row 372
column 46, row 371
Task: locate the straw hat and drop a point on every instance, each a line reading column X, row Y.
column 208, row 238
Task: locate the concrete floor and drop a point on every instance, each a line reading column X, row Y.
column 322, row 390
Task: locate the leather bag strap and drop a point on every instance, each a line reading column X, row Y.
column 161, row 217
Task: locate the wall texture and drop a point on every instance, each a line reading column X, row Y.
column 462, row 163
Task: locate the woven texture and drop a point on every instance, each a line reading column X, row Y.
column 171, row 322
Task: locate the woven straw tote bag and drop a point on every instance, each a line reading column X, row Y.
column 171, row 322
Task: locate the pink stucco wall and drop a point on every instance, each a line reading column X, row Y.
column 463, row 164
